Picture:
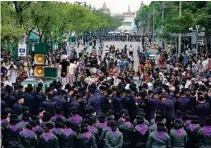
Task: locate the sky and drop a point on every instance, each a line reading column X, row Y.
column 116, row 6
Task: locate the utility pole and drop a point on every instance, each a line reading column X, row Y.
column 153, row 24
column 179, row 40
column 162, row 16
column 197, row 43
column 162, row 29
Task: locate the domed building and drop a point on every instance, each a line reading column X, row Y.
column 104, row 9
column 128, row 23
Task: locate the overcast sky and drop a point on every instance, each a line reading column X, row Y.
column 116, row 6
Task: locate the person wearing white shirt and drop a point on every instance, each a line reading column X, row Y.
column 116, row 80
column 106, row 49
column 12, row 74
column 131, row 51
column 187, row 84
column 72, row 69
column 8, row 81
column 130, row 57
column 94, row 51
column 11, row 64
column 136, row 80
column 204, row 64
column 127, row 87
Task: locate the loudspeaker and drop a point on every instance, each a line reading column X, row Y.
column 39, row 59
column 39, row 71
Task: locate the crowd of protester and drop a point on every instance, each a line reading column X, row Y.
column 99, row 100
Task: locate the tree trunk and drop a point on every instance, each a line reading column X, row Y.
column 19, row 9
column 18, row 19
column 41, row 37
column 209, row 50
column 45, row 39
column 29, row 31
column 43, row 31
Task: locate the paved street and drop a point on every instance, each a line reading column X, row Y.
column 119, row 45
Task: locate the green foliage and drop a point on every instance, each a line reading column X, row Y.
column 203, row 17
column 193, row 13
column 50, row 19
column 10, row 35
column 7, row 14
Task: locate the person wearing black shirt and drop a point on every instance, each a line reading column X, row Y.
column 125, row 49
column 202, row 108
column 65, row 68
column 18, row 107
column 3, row 69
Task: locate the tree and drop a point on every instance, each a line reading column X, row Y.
column 192, row 13
column 11, row 34
column 203, row 18
column 20, row 6
column 51, row 19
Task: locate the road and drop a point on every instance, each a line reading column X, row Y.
column 119, row 45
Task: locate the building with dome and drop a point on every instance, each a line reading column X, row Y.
column 104, row 9
column 128, row 23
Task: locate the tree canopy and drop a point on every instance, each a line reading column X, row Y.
column 50, row 20
column 193, row 13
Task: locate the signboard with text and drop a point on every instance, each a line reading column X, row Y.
column 22, row 50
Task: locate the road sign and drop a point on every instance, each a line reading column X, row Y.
column 22, row 49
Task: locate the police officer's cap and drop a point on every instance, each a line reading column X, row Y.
column 19, row 97
column 49, row 125
column 91, row 90
column 141, row 94
column 103, row 87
